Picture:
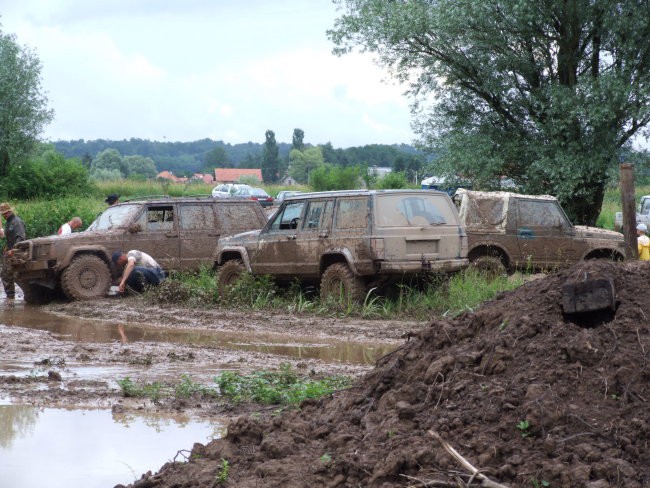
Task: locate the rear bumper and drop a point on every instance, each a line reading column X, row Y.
column 401, row 267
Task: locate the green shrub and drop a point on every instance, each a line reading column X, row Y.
column 44, row 217
column 49, row 175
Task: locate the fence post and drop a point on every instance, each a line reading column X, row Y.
column 629, row 209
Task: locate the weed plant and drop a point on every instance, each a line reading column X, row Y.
column 276, row 387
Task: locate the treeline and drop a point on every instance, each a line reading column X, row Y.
column 187, row 158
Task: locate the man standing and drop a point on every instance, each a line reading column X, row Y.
column 140, row 270
column 68, row 227
column 14, row 232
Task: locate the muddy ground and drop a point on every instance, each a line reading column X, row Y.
column 527, row 395
column 79, row 365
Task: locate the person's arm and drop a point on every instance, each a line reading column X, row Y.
column 127, row 272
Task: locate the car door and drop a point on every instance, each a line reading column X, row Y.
column 313, row 236
column 276, row 252
column 156, row 234
column 198, row 233
column 544, row 233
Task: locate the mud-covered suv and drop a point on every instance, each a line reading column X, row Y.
column 508, row 231
column 348, row 241
column 179, row 233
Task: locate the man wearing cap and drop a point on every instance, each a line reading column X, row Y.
column 14, row 232
column 112, row 199
column 643, row 242
column 140, row 270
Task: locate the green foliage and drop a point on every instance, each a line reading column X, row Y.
column 328, row 177
column 46, row 176
column 524, row 427
column 222, row 475
column 23, row 104
column 187, row 388
column 393, row 180
column 133, row 390
column 276, row 387
column 44, row 217
column 270, row 159
column 303, row 163
column 326, row 458
column 298, row 140
column 547, row 96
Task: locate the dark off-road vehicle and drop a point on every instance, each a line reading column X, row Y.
column 179, row 233
column 508, row 231
column 348, row 241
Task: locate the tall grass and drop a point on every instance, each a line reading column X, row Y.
column 447, row 295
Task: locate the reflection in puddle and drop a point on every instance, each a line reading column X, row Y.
column 89, row 331
column 89, row 448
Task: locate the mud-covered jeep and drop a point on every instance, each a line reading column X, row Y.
column 179, row 233
column 348, row 241
column 508, row 231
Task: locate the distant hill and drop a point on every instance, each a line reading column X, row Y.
column 189, row 157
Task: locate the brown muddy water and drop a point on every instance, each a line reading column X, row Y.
column 99, row 447
column 90, row 448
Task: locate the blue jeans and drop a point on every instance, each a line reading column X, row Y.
column 141, row 277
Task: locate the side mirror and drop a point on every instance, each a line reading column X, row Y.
column 135, row 228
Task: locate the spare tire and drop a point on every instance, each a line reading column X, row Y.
column 88, row 276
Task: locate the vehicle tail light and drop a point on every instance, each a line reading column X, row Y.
column 377, row 248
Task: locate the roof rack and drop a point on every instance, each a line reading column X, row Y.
column 162, row 197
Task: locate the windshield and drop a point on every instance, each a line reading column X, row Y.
column 114, row 217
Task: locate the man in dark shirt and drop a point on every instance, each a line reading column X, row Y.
column 14, row 232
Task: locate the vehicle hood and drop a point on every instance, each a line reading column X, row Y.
column 586, row 232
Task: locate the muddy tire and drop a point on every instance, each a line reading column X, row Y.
column 338, row 281
column 87, row 277
column 36, row 294
column 491, row 266
column 229, row 272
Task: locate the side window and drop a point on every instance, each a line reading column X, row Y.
column 196, row 217
column 352, row 213
column 645, row 209
column 539, row 213
column 160, row 218
column 289, row 218
column 318, row 214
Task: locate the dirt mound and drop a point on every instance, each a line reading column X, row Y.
column 522, row 392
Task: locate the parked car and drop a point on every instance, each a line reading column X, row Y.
column 642, row 214
column 349, row 241
column 285, row 194
column 257, row 194
column 508, row 231
column 179, row 233
column 226, row 190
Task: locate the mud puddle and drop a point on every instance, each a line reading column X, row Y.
column 86, row 330
column 91, row 448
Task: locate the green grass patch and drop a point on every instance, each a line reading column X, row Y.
column 283, row 387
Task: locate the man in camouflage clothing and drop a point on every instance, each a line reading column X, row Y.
column 14, row 232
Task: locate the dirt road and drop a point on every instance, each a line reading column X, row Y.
column 73, row 354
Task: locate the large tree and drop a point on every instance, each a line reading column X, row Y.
column 545, row 92
column 270, row 159
column 23, row 105
column 298, row 139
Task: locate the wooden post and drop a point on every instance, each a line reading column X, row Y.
column 629, row 210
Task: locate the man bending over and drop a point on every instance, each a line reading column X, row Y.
column 140, row 270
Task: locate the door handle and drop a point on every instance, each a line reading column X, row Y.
column 171, row 235
column 325, row 234
column 292, row 236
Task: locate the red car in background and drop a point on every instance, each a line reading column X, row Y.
column 253, row 193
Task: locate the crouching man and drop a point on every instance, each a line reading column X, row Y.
column 140, row 270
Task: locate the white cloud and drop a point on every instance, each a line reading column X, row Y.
column 227, row 71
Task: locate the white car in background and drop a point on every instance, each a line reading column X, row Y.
column 226, row 190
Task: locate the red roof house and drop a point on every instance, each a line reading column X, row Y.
column 232, row 175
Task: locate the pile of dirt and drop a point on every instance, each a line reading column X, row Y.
column 521, row 391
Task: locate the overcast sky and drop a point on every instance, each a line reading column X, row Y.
column 182, row 70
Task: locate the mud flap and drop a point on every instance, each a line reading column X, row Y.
column 590, row 294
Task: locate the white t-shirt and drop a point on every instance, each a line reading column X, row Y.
column 65, row 229
column 142, row 259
